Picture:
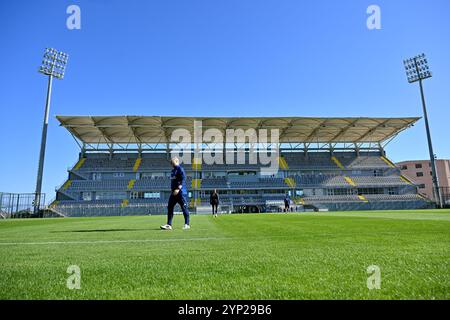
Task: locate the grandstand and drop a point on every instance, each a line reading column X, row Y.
column 324, row 164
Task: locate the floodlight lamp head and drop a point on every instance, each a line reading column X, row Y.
column 417, row 68
column 54, row 63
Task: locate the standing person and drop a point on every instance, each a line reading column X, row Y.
column 178, row 195
column 214, row 201
column 287, row 203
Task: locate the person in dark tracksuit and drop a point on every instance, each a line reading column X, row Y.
column 179, row 195
column 214, row 201
column 287, row 203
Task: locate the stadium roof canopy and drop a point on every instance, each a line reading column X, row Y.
column 158, row 129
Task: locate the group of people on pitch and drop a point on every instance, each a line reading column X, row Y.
column 179, row 196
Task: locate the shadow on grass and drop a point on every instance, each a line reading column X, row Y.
column 106, row 230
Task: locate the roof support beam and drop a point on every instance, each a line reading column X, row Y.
column 372, row 130
column 315, row 130
column 344, row 130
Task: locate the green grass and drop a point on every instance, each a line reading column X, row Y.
column 265, row 256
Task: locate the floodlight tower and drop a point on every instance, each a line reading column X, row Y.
column 53, row 65
column 417, row 69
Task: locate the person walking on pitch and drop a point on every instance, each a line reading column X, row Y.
column 214, row 201
column 178, row 195
column 287, row 203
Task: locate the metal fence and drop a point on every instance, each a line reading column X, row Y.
column 445, row 196
column 18, row 205
column 91, row 210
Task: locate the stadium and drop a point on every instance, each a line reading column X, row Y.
column 292, row 139
column 353, row 217
column 335, row 164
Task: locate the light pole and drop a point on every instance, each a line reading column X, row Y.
column 53, row 65
column 417, row 69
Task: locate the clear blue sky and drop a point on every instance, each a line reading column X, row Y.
column 216, row 57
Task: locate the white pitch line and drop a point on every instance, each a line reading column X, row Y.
column 109, row 241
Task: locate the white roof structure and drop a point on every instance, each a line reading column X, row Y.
column 158, row 129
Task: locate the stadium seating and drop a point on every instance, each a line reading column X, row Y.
column 128, row 183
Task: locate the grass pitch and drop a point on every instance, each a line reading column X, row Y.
column 264, row 256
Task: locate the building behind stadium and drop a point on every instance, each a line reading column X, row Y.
column 324, row 164
column 419, row 171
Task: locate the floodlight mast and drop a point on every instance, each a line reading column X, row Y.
column 53, row 65
column 417, row 69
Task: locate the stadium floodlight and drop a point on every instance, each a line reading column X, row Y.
column 54, row 63
column 417, row 69
column 54, row 66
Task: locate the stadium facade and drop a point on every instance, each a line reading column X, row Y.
column 323, row 164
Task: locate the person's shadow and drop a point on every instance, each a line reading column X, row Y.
column 106, row 230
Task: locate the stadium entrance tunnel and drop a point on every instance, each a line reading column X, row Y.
column 246, row 209
column 309, row 207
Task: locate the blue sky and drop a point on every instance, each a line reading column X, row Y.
column 212, row 58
